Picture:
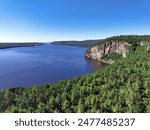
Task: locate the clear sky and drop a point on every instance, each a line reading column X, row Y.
column 49, row 20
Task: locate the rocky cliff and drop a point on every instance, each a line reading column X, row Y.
column 112, row 48
column 98, row 51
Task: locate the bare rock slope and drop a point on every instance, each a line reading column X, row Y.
column 98, row 51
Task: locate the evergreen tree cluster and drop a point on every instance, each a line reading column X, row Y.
column 130, row 39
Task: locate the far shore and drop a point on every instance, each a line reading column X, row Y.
column 13, row 45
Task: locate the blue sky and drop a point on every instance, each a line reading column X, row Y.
column 49, row 20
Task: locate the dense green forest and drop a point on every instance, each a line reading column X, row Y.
column 11, row 45
column 121, row 87
column 86, row 43
column 131, row 39
column 112, row 56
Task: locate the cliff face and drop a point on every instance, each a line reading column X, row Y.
column 107, row 48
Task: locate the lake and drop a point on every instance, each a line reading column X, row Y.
column 28, row 66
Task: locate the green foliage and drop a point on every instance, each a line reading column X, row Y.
column 111, row 56
column 131, row 39
column 86, row 43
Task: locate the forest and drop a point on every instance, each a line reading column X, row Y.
column 131, row 39
column 85, row 43
column 121, row 87
column 11, row 45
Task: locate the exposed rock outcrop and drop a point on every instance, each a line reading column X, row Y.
column 107, row 48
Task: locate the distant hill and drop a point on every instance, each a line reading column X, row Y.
column 86, row 43
column 11, row 45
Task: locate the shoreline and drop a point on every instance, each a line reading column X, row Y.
column 15, row 45
column 108, row 62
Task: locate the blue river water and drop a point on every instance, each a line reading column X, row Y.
column 28, row 66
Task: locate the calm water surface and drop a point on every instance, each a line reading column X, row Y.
column 28, row 66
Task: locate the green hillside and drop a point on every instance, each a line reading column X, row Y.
column 12, row 45
column 131, row 39
column 86, row 43
column 123, row 86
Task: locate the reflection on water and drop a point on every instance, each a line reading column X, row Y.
column 27, row 66
column 96, row 64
